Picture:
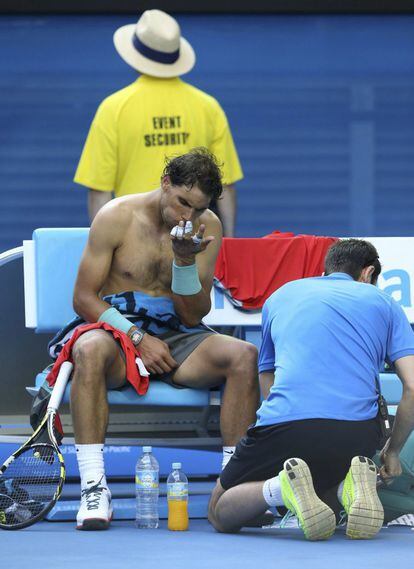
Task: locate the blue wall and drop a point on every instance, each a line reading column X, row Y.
column 321, row 108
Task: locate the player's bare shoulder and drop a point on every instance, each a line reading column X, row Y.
column 118, row 210
column 124, row 210
column 129, row 217
column 112, row 221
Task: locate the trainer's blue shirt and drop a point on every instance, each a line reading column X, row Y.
column 326, row 338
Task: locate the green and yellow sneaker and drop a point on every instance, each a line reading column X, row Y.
column 360, row 499
column 316, row 519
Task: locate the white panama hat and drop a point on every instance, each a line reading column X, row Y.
column 154, row 46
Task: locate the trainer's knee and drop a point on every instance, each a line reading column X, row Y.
column 216, row 525
column 215, row 511
column 214, row 519
column 223, row 521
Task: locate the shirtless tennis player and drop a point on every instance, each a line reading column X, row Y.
column 152, row 256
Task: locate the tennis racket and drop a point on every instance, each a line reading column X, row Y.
column 32, row 478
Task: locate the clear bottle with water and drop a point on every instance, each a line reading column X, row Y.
column 177, row 496
column 147, row 490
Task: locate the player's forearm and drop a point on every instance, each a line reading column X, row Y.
column 404, row 421
column 192, row 309
column 227, row 206
column 88, row 305
column 96, row 200
column 191, row 301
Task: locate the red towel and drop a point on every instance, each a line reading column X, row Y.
column 139, row 382
column 251, row 269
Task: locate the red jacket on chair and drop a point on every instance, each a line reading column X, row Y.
column 251, row 269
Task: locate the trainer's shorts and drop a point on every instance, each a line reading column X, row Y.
column 326, row 445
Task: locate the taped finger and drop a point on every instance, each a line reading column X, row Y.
column 196, row 239
column 177, row 231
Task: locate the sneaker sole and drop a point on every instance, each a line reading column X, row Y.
column 366, row 514
column 317, row 519
column 94, row 524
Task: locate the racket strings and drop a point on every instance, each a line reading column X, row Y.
column 29, row 484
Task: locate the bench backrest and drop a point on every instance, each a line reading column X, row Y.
column 51, row 262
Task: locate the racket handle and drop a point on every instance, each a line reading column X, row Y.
column 60, row 385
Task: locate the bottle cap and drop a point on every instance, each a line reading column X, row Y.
column 176, row 465
column 147, row 449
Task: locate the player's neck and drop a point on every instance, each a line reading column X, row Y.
column 158, row 218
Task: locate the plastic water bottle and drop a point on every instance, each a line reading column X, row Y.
column 147, row 490
column 177, row 496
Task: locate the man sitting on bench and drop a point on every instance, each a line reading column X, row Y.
column 147, row 270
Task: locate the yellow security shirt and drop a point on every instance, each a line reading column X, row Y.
column 136, row 128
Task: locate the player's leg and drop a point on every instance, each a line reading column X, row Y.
column 98, row 365
column 223, row 359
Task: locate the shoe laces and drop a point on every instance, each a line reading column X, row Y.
column 92, row 495
column 342, row 518
column 288, row 516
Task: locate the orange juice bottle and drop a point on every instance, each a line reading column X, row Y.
column 177, row 496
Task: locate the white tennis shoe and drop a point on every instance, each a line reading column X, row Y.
column 95, row 512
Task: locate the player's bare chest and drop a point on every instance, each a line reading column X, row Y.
column 145, row 262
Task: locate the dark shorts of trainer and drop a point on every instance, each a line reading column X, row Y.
column 181, row 345
column 326, row 445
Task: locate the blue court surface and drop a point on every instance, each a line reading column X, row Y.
column 58, row 544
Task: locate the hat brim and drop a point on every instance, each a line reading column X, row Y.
column 124, row 46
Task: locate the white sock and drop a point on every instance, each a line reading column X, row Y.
column 227, row 454
column 340, row 490
column 272, row 492
column 91, row 464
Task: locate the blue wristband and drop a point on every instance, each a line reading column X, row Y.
column 185, row 280
column 112, row 317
